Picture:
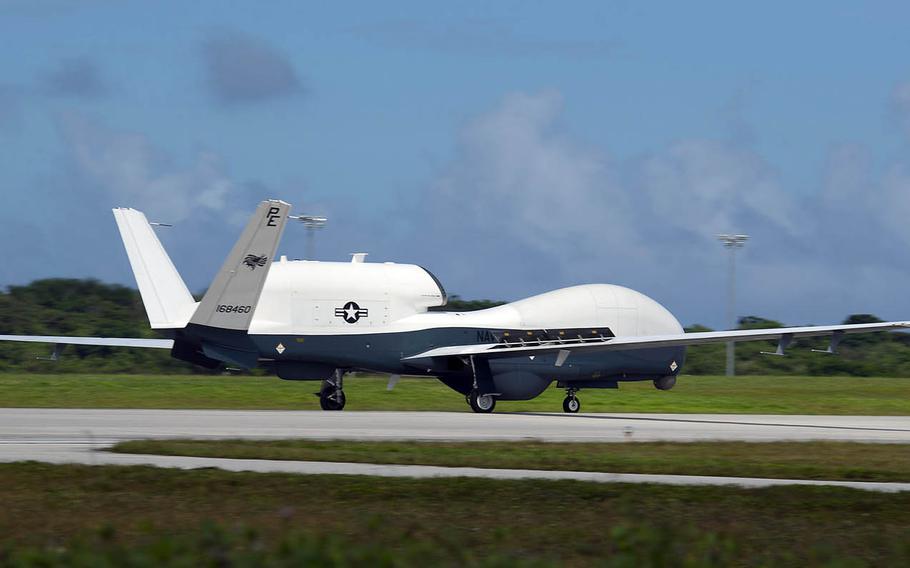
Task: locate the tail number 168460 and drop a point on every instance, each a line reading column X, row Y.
column 226, row 308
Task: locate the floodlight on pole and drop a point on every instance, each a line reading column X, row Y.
column 312, row 223
column 732, row 242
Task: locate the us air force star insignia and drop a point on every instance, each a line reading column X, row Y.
column 673, row 366
column 279, row 348
column 351, row 312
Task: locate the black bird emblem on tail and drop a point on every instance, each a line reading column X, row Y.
column 251, row 261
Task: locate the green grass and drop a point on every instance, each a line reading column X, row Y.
column 82, row 515
column 759, row 395
column 795, row 460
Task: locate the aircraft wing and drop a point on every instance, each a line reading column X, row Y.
column 101, row 341
column 598, row 344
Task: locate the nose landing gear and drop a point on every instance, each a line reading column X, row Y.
column 571, row 403
column 331, row 395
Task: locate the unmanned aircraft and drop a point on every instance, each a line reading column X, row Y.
column 309, row 320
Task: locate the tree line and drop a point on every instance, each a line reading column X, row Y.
column 91, row 308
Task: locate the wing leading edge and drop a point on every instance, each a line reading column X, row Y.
column 593, row 345
column 100, row 341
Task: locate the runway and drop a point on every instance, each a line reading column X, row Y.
column 80, row 436
column 39, row 424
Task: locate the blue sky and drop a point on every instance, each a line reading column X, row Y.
column 510, row 147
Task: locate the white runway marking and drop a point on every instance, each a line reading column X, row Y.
column 77, row 435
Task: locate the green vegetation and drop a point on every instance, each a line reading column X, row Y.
column 743, row 395
column 88, row 307
column 882, row 354
column 88, row 516
column 784, row 460
column 79, row 307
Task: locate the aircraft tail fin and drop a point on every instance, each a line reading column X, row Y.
column 168, row 302
column 231, row 300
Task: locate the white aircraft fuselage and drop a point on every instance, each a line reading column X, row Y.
column 310, row 320
column 313, row 317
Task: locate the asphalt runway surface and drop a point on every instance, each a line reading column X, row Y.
column 80, row 436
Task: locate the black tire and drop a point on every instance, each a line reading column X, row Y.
column 571, row 404
column 665, row 383
column 482, row 404
column 332, row 400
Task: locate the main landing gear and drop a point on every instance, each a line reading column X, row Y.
column 480, row 399
column 482, row 403
column 331, row 395
column 571, row 404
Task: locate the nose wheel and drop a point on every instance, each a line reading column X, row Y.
column 331, row 395
column 571, row 403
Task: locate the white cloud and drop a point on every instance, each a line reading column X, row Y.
column 133, row 172
column 707, row 187
column 531, row 208
column 517, row 171
column 523, row 207
column 860, row 210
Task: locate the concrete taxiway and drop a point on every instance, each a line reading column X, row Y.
column 122, row 424
column 80, row 436
column 91, row 454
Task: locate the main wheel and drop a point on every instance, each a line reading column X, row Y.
column 482, row 403
column 332, row 399
column 571, row 404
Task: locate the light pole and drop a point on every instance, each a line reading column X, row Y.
column 731, row 243
column 312, row 223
